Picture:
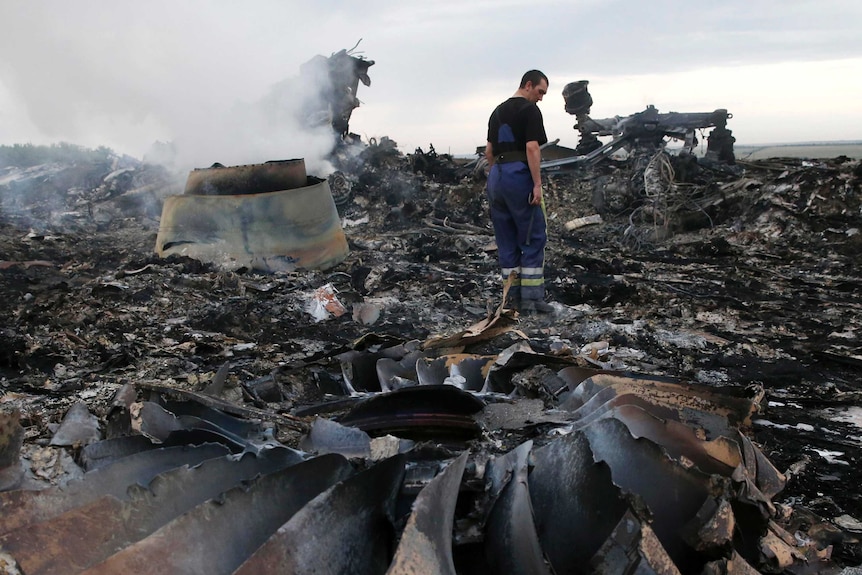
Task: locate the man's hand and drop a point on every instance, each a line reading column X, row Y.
column 534, row 159
column 536, row 195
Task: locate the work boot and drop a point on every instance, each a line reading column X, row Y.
column 513, row 295
column 535, row 307
column 512, row 302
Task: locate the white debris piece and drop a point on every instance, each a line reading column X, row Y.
column 324, row 304
column 583, row 221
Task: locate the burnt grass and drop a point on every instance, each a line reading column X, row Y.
column 746, row 276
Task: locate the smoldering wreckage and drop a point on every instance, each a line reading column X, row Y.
column 319, row 375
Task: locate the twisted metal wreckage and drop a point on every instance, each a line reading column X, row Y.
column 425, row 459
column 615, row 472
column 646, row 130
column 272, row 216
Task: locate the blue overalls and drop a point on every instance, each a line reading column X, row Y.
column 518, row 226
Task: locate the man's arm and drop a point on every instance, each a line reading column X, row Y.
column 534, row 159
column 489, row 154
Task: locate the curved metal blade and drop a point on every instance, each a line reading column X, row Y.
column 511, row 541
column 674, row 494
column 218, row 535
column 426, row 543
column 21, row 508
column 346, row 529
column 575, row 503
column 86, row 535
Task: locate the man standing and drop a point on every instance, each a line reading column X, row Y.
column 515, row 133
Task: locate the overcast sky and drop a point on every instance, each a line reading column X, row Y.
column 125, row 73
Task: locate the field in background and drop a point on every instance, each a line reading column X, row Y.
column 813, row 151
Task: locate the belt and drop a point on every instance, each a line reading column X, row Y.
column 510, row 157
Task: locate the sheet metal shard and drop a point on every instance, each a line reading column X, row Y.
column 218, row 535
column 352, row 521
column 769, row 480
column 118, row 421
column 287, row 421
column 515, row 358
column 712, row 529
column 79, row 427
column 466, row 371
column 107, row 451
column 327, row 436
column 21, row 508
column 608, row 400
column 216, row 386
column 632, row 548
column 158, row 424
column 426, row 542
column 511, row 541
column 469, row 370
column 719, row 456
column 575, row 502
column 237, row 426
column 360, row 366
column 777, row 553
column 108, row 523
column 518, row 414
column 672, row 493
column 272, row 231
column 735, row 565
column 394, row 374
column 436, row 411
column 694, row 403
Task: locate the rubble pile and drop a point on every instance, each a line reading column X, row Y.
column 692, row 405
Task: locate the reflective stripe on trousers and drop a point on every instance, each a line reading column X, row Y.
column 519, row 227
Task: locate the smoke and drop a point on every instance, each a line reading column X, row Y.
column 186, row 134
column 215, row 83
column 275, row 127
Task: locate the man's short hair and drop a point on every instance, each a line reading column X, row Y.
column 534, row 77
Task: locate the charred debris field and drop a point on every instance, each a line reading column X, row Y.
column 731, row 294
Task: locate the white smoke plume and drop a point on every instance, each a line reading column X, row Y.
column 275, row 127
column 217, row 86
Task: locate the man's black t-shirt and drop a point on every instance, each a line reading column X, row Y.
column 525, row 120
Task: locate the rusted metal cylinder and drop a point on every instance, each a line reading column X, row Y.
column 273, row 231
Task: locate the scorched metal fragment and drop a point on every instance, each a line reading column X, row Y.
column 426, row 542
column 86, row 535
column 347, row 529
column 218, row 535
column 294, row 226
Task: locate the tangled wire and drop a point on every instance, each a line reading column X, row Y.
column 663, row 199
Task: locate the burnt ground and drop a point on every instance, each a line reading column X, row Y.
column 744, row 276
